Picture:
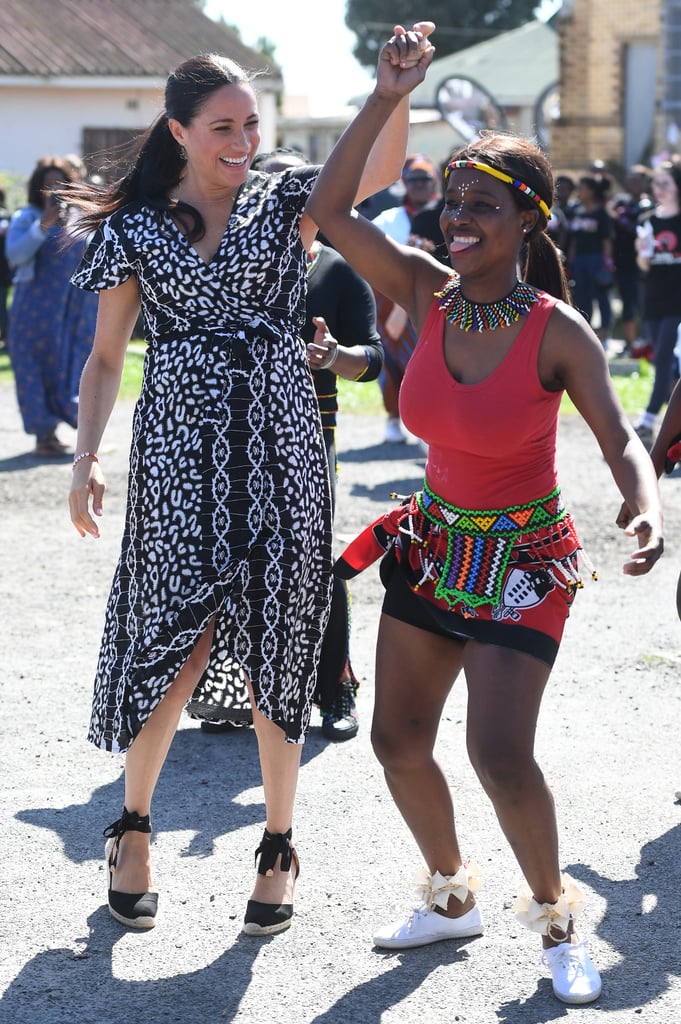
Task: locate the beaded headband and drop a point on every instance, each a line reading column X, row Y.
column 502, row 176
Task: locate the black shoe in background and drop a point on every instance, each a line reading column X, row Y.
column 340, row 722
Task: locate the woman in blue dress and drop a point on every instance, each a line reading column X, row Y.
column 51, row 323
column 226, row 553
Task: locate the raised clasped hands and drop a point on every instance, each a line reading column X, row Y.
column 405, row 58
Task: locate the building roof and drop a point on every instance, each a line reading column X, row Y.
column 515, row 67
column 122, row 38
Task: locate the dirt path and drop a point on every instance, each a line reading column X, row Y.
column 608, row 742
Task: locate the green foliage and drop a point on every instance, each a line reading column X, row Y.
column 131, row 381
column 267, row 48
column 14, row 187
column 365, row 399
column 460, row 23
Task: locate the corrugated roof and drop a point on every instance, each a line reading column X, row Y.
column 140, row 38
column 512, row 66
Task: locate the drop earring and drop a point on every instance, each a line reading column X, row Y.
column 183, row 154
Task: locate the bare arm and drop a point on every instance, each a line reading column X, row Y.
column 390, row 268
column 670, row 428
column 573, row 357
column 384, row 163
column 383, row 168
column 116, row 316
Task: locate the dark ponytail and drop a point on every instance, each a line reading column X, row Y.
column 544, row 265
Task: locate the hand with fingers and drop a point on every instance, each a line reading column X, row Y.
column 405, row 58
column 323, row 349
column 647, row 529
column 87, row 485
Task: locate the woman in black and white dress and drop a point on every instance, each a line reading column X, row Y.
column 226, row 552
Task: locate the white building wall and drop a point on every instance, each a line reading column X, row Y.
column 50, row 119
column 49, row 116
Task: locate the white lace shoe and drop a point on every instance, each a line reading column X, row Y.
column 575, row 979
column 424, row 926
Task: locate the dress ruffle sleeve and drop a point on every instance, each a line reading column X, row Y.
column 105, row 263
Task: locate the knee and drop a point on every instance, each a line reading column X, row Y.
column 402, row 748
column 505, row 772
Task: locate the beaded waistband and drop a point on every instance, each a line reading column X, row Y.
column 479, row 542
column 503, row 522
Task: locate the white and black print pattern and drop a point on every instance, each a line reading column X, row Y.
column 228, row 507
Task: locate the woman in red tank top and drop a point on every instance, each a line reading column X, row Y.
column 482, row 563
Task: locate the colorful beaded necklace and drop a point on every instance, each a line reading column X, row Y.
column 484, row 316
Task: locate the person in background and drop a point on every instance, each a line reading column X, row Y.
column 5, row 270
column 425, row 227
column 658, row 245
column 51, row 323
column 386, row 199
column 562, row 208
column 226, row 552
column 590, row 251
column 77, row 167
column 342, row 341
column 482, row 567
column 420, row 181
column 563, row 193
column 627, row 210
column 665, row 454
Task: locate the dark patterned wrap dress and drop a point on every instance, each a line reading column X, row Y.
column 228, row 512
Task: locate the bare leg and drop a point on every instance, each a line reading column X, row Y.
column 415, row 671
column 143, row 764
column 504, row 695
column 279, row 763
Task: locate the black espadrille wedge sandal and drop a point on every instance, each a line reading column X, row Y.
column 136, row 910
column 269, row 918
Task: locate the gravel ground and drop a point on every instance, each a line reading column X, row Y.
column 608, row 742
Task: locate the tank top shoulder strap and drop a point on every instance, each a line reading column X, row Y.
column 541, row 311
column 435, row 315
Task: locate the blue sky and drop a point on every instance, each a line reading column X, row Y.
column 315, row 49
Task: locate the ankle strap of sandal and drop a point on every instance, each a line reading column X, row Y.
column 271, row 845
column 129, row 821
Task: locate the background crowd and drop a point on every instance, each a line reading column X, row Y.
column 602, row 222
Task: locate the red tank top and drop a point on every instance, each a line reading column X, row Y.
column 491, row 445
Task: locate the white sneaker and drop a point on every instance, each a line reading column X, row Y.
column 575, row 979
column 393, row 431
column 424, row 926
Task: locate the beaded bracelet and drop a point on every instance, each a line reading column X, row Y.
column 84, row 455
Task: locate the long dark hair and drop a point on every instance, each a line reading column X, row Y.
column 522, row 160
column 155, row 161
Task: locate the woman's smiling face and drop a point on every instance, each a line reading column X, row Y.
column 481, row 220
column 223, row 138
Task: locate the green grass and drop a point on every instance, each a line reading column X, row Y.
column 365, row 399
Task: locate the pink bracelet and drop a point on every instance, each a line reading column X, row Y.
column 84, row 455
